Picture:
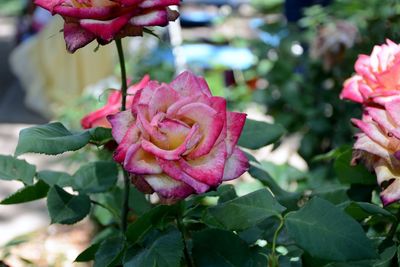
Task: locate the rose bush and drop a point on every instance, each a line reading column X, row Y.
column 98, row 118
column 377, row 74
column 106, row 20
column 177, row 139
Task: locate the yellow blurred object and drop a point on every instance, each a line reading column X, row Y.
column 51, row 76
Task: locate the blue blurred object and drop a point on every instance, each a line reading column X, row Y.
column 209, row 56
column 268, row 38
column 196, row 18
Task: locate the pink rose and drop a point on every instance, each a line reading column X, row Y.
column 98, row 118
column 377, row 74
column 178, row 139
column 378, row 145
column 106, row 20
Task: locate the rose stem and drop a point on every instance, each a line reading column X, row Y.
column 181, row 228
column 124, row 89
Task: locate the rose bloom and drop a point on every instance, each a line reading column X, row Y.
column 178, row 139
column 98, row 118
column 106, row 20
column 377, row 74
column 378, row 145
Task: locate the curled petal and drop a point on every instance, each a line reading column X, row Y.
column 131, row 137
column 351, row 90
column 76, row 37
column 235, row 123
column 373, row 131
column 236, row 165
column 139, row 161
column 104, row 29
column 168, row 187
column 120, row 123
column 188, row 84
column 152, row 18
column 386, row 174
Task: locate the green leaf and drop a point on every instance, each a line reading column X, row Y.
column 109, row 252
column 362, row 210
column 88, row 254
column 51, row 178
column 100, row 136
column 165, row 251
column 326, row 232
column 257, row 134
column 65, row 208
column 95, row 177
column 138, row 202
column 149, row 220
column 215, row 247
column 51, row 139
column 243, row 212
column 16, row 169
column 27, row 193
column 348, row 174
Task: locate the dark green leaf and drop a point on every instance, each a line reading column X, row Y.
column 326, row 232
column 257, row 134
column 100, row 135
column 138, row 202
column 165, row 251
column 243, row 212
column 51, row 139
column 16, row 169
column 27, row 193
column 95, row 177
column 88, row 254
column 51, row 178
column 150, row 219
column 65, row 208
column 362, row 210
column 348, row 174
column 219, row 248
column 109, row 252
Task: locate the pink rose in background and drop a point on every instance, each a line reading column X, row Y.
column 377, row 74
column 106, row 20
column 378, row 145
column 98, row 118
column 178, row 139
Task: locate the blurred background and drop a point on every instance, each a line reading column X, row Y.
column 280, row 61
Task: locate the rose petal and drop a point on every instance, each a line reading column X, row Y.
column 235, row 124
column 168, row 187
column 236, row 165
column 139, row 161
column 188, row 84
column 76, row 37
column 105, row 29
column 120, row 123
column 152, row 18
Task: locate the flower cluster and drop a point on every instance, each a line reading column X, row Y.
column 106, row 20
column 377, row 86
column 175, row 139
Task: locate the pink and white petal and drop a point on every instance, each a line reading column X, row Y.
column 393, row 108
column 372, row 130
column 381, row 117
column 163, row 97
column 132, row 90
column 131, row 137
column 120, row 123
column 149, row 128
column 167, row 187
column 235, row 124
column 236, row 165
column 188, row 84
column 172, row 169
column 48, row 4
column 208, row 169
column 351, row 91
column 105, row 29
column 98, row 13
column 152, row 18
column 174, row 154
column 183, row 101
column 365, row 143
column 211, row 124
column 385, row 173
column 76, row 37
column 138, row 161
column 158, row 3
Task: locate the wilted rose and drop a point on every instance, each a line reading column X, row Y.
column 377, row 74
column 98, row 118
column 178, row 139
column 378, row 145
column 106, row 20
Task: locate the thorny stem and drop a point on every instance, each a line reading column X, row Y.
column 273, row 262
column 124, row 89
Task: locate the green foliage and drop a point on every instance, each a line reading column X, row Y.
column 243, row 212
column 163, row 250
column 28, row 193
column 16, row 169
column 65, row 208
column 50, row 139
column 257, row 134
column 109, row 252
column 325, row 232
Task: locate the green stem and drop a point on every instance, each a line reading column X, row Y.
column 181, row 228
column 393, row 229
column 273, row 261
column 124, row 89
